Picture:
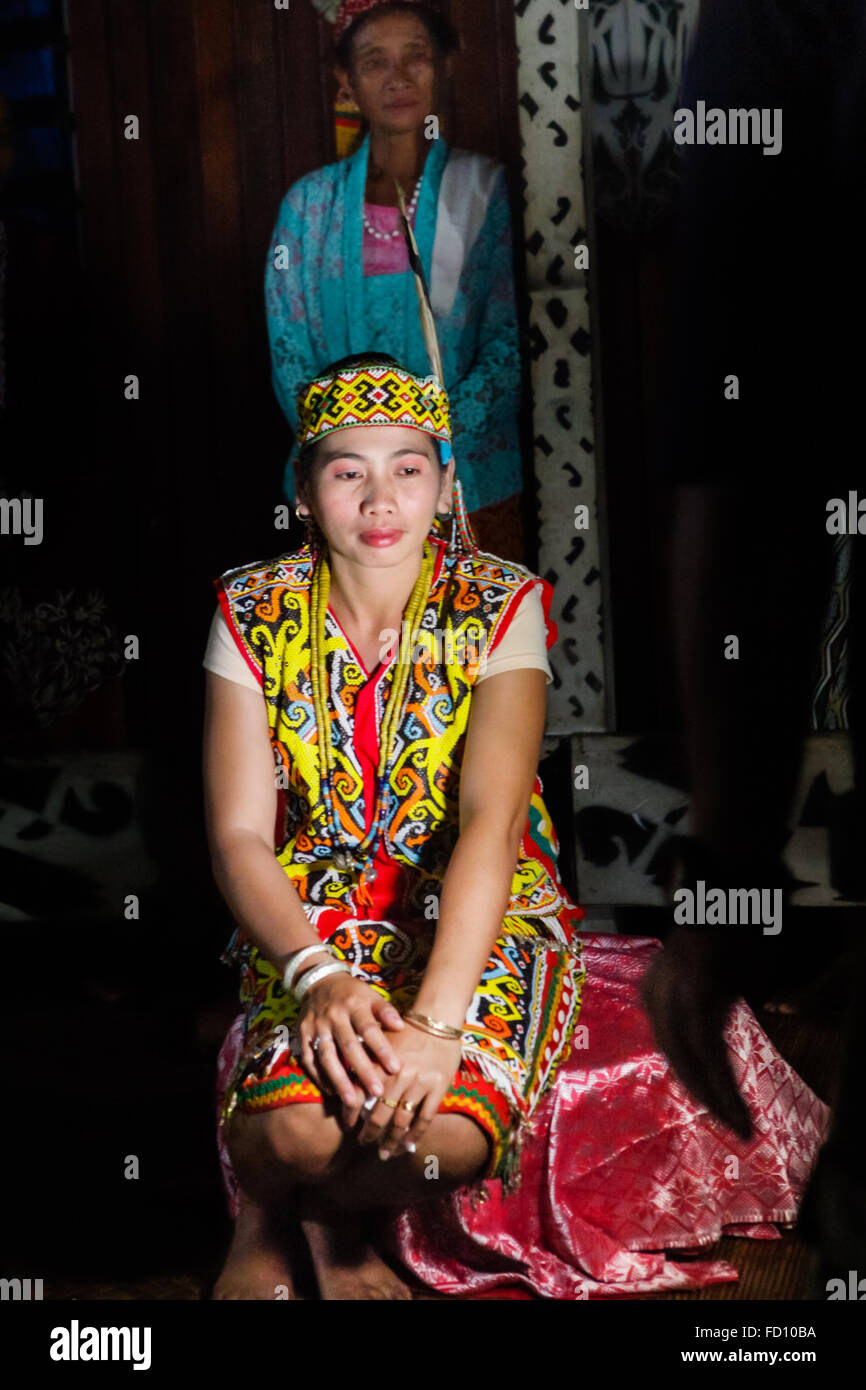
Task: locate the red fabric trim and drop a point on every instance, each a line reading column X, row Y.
column 440, row 559
column 507, row 617
column 546, row 601
column 532, row 850
column 366, row 741
column 551, row 629
column 224, row 604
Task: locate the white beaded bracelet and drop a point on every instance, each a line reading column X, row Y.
column 291, row 971
column 320, row 972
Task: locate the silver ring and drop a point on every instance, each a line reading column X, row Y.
column 316, row 1040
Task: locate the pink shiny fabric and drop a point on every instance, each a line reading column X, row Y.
column 620, row 1165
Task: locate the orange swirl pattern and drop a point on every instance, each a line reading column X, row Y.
column 519, row 1023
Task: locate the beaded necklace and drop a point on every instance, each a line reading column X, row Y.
column 398, row 231
column 319, row 591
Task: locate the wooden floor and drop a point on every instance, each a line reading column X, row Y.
column 162, row 1237
column 767, row 1270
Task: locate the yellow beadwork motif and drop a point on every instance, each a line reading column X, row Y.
column 519, row 1024
column 372, row 395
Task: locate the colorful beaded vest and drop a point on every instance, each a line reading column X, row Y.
column 472, row 599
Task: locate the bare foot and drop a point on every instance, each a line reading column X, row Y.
column 257, row 1265
column 347, row 1267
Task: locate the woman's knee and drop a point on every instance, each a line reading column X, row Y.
column 299, row 1138
column 455, row 1150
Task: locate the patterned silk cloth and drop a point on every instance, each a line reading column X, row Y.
column 622, row 1166
column 619, row 1166
column 519, row 1024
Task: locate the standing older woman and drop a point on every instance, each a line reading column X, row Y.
column 338, row 280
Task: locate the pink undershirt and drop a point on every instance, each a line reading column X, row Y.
column 383, row 257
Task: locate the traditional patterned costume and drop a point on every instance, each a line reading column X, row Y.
column 337, row 281
column 592, row 1177
column 526, row 1002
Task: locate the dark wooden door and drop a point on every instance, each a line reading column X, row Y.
column 234, row 100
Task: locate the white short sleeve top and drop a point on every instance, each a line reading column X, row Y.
column 524, row 644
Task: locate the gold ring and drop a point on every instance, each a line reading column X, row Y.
column 392, row 1103
column 406, row 1105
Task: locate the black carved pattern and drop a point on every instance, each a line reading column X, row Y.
column 628, row 820
column 636, row 73
column 559, row 342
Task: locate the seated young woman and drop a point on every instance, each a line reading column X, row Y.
column 408, row 960
column 411, row 969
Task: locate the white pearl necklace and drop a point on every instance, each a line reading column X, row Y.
column 410, row 214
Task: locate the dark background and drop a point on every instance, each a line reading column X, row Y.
column 147, row 257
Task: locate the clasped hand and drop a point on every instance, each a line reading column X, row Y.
column 407, row 1074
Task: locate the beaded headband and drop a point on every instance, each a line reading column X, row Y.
column 372, row 395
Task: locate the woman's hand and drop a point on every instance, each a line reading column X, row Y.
column 410, row 1100
column 348, row 1017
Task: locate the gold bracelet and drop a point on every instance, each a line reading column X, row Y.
column 432, row 1025
column 434, row 1032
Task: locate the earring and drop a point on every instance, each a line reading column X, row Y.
column 441, row 519
column 313, row 537
column 452, row 544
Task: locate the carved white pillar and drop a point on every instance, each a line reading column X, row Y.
column 555, row 223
